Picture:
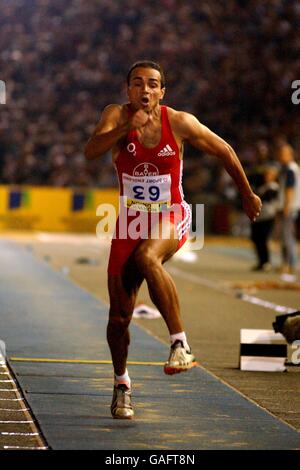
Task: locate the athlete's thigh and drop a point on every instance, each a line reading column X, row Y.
column 123, row 288
column 162, row 243
column 131, row 276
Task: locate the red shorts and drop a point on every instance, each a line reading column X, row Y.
column 126, row 237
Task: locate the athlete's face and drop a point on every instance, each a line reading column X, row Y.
column 285, row 155
column 144, row 90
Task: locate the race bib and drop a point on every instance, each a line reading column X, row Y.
column 147, row 193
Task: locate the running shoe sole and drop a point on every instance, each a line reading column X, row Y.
column 171, row 370
column 122, row 417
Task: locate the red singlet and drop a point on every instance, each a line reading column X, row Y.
column 150, row 189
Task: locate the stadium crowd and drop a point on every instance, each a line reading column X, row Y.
column 230, row 62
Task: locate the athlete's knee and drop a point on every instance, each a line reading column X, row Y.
column 119, row 323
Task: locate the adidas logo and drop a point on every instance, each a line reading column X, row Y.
column 167, row 151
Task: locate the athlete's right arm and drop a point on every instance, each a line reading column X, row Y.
column 110, row 129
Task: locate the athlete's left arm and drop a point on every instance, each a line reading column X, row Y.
column 204, row 139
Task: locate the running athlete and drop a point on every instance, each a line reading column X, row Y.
column 147, row 140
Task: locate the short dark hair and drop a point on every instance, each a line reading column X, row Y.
column 148, row 64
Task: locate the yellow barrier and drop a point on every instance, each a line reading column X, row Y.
column 52, row 209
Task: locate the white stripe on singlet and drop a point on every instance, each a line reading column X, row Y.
column 183, row 226
column 180, row 180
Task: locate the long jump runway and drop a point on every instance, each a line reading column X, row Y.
column 55, row 339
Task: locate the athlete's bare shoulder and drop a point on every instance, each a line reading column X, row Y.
column 113, row 112
column 182, row 123
column 112, row 116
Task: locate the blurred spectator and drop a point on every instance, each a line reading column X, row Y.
column 256, row 174
column 229, row 62
column 261, row 229
column 289, row 205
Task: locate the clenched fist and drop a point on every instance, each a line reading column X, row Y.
column 139, row 119
column 252, row 206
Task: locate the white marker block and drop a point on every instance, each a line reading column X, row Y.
column 262, row 350
column 2, row 353
column 2, row 92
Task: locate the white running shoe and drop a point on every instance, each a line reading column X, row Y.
column 121, row 406
column 179, row 360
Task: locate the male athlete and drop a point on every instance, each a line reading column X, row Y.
column 289, row 206
column 147, row 140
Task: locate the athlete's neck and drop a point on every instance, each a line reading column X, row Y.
column 154, row 113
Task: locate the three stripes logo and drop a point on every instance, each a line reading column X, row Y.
column 18, row 199
column 82, row 201
column 167, row 151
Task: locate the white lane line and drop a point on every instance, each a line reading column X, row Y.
column 23, row 447
column 16, row 422
column 14, row 410
column 217, row 286
column 20, row 433
column 265, row 303
column 11, row 399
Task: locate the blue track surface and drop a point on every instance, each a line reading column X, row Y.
column 43, row 314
